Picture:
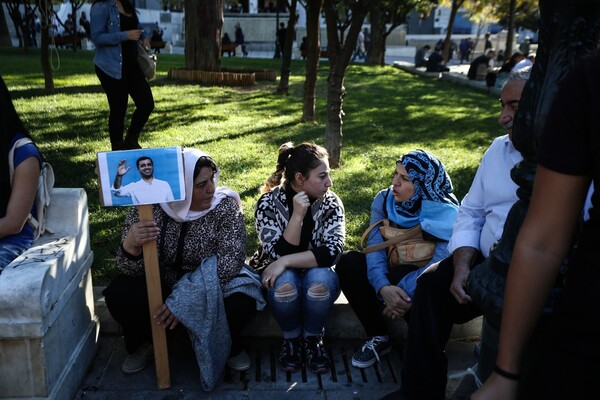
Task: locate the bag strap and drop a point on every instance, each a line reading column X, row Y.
column 387, row 243
column 11, row 155
column 385, row 221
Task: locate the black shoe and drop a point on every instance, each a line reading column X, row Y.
column 317, row 358
column 289, row 355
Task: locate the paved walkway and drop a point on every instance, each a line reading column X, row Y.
column 105, row 381
column 264, row 380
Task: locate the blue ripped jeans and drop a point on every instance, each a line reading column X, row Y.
column 303, row 309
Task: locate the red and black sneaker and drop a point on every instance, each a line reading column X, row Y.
column 317, row 358
column 289, row 355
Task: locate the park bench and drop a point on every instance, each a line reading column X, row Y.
column 66, row 41
column 48, row 325
column 228, row 48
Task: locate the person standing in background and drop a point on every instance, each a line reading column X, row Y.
column 239, row 38
column 281, row 32
column 115, row 33
column 488, row 42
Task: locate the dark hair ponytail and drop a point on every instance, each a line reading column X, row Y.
column 275, row 178
column 293, row 159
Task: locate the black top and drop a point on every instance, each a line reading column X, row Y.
column 570, row 144
column 129, row 48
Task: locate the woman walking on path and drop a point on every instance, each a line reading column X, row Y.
column 115, row 33
column 239, row 39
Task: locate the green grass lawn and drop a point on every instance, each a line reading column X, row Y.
column 387, row 112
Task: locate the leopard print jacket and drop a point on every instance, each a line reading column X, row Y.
column 183, row 246
column 272, row 216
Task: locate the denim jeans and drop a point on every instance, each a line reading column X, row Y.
column 117, row 92
column 8, row 252
column 303, row 310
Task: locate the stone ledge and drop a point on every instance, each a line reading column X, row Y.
column 342, row 324
column 48, row 326
column 454, row 77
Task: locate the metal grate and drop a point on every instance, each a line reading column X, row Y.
column 265, row 368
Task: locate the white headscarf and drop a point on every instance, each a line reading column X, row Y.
column 180, row 210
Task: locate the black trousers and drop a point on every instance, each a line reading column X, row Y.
column 433, row 314
column 352, row 271
column 134, row 84
column 127, row 301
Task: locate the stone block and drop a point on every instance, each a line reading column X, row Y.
column 48, row 326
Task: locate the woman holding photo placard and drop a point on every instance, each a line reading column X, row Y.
column 200, row 238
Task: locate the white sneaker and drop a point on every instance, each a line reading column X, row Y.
column 240, row 362
column 139, row 360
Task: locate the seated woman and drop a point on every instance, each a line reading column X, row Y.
column 17, row 192
column 301, row 228
column 421, row 193
column 226, row 39
column 189, row 234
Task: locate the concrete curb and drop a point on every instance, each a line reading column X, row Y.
column 342, row 324
column 457, row 74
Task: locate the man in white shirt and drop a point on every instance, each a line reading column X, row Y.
column 525, row 62
column 479, row 224
column 147, row 190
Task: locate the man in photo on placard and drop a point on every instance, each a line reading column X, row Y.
column 147, row 190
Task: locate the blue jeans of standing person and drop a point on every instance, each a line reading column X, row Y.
column 117, row 91
column 305, row 307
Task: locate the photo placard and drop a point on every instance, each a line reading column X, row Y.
column 142, row 176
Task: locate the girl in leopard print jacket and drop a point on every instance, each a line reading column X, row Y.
column 301, row 228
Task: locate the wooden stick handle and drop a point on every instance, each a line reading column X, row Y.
column 155, row 300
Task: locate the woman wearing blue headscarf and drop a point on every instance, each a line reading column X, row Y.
column 420, row 194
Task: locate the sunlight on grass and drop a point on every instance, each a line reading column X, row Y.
column 387, row 112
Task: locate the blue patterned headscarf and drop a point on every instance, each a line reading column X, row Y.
column 433, row 190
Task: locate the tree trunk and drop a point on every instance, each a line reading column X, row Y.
column 339, row 58
column 45, row 7
column 203, row 27
column 376, row 55
column 313, row 33
column 455, row 6
column 286, row 61
column 75, row 5
column 15, row 16
column 4, row 35
column 510, row 37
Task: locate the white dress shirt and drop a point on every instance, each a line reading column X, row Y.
column 483, row 210
column 143, row 192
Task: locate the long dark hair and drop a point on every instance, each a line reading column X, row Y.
column 10, row 125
